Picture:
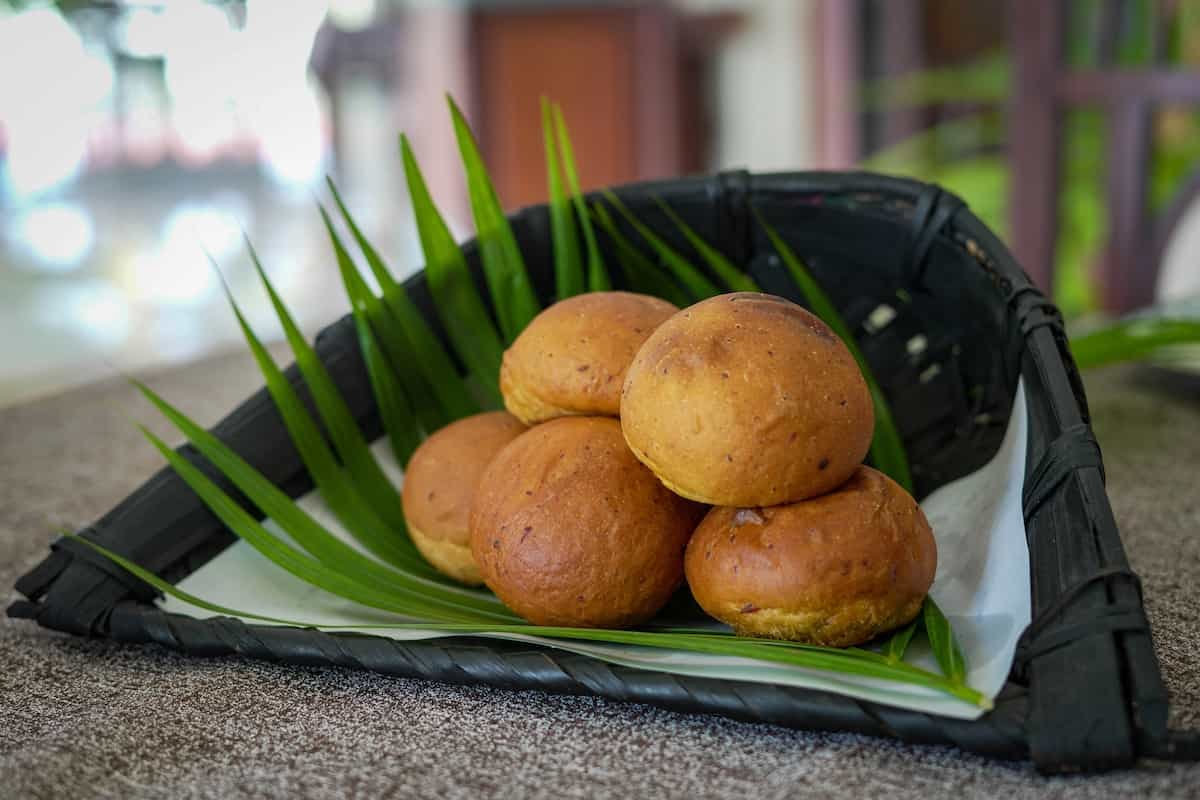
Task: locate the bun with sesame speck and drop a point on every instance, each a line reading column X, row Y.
column 439, row 486
column 568, row 528
column 571, row 359
column 747, row 399
column 835, row 570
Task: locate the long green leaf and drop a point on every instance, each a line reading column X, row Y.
column 887, row 448
column 347, row 437
column 171, row 589
column 597, row 272
column 692, row 279
column 303, row 566
column 503, row 267
column 391, row 544
column 824, row 659
column 735, row 280
column 1132, row 339
column 383, row 275
column 438, row 392
column 390, row 345
column 399, row 419
column 394, row 409
column 941, row 640
column 568, row 261
column 897, row 644
column 458, row 303
column 332, row 552
column 640, row 272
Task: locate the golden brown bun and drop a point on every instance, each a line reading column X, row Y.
column 568, row 528
column 440, row 482
column 452, row 560
column 571, row 359
column 834, row 570
column 747, row 400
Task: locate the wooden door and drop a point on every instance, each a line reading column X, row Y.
column 614, row 70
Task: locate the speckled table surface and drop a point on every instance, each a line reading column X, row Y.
column 85, row 718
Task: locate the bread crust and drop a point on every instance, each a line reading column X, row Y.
column 440, row 481
column 747, row 399
column 568, row 528
column 834, row 570
column 571, row 359
column 452, row 560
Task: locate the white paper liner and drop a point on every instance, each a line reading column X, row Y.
column 982, row 585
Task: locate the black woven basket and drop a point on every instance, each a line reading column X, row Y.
column 1085, row 692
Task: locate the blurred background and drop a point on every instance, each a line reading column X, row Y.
column 137, row 136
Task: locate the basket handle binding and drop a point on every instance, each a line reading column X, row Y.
column 1075, row 449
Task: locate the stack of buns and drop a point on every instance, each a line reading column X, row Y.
column 723, row 442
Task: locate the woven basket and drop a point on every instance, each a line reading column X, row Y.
column 1085, row 692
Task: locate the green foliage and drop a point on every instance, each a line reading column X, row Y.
column 734, row 279
column 639, row 270
column 435, row 387
column 331, row 552
column 400, row 420
column 339, row 421
column 1133, row 339
column 459, row 306
column 693, row 280
column 598, row 278
column 567, row 210
column 335, row 581
column 941, row 640
column 513, row 298
column 568, row 261
column 896, row 645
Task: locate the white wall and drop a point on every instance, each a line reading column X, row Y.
column 764, row 85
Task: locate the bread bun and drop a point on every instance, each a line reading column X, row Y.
column 834, row 570
column 439, row 485
column 568, row 528
column 747, row 400
column 571, row 359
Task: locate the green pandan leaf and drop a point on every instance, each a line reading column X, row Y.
column 438, row 392
column 303, row 566
column 692, row 279
column 343, row 429
column 597, row 273
column 897, row 644
column 1134, row 338
column 333, row 553
column 399, row 420
column 459, row 306
column 735, row 280
column 513, row 297
column 568, row 261
column 640, row 272
column 389, row 543
column 945, row 647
